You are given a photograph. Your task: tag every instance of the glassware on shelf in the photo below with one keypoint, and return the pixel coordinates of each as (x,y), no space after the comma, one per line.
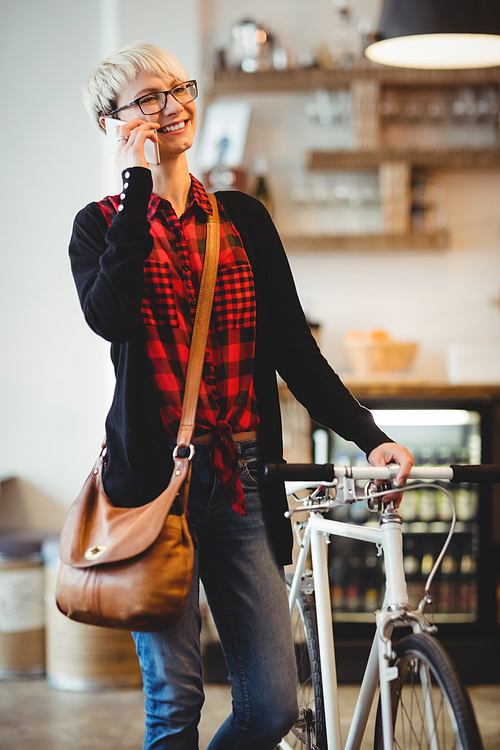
(449,117)
(345,37)
(328,107)
(336,203)
(251,47)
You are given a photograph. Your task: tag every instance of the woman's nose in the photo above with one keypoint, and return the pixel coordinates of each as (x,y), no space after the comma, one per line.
(172,105)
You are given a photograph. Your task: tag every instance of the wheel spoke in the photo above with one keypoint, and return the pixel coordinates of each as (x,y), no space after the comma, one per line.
(308,731)
(430,706)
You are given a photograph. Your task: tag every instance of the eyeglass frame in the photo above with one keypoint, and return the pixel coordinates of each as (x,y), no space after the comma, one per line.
(136,102)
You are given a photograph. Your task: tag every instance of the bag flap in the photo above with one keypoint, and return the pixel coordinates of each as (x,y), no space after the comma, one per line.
(97,532)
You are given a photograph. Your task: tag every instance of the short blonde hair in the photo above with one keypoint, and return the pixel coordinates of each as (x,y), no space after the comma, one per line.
(104,85)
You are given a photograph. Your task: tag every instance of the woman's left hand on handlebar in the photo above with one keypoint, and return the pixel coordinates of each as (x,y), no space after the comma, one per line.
(392,453)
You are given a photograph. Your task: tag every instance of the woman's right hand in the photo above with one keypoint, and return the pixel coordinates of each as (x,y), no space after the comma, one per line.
(132,136)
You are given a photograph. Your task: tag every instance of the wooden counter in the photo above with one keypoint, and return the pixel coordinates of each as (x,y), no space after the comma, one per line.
(419,390)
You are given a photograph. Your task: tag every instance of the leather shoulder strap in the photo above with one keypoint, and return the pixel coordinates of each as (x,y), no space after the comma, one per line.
(200,327)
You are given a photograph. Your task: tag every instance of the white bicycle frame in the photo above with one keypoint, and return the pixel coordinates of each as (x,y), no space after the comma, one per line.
(395,610)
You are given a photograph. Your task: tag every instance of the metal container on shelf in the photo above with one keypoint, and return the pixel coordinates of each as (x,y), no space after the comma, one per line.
(83,657)
(22,623)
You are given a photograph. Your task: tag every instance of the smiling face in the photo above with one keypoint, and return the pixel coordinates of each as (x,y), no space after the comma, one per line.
(178,121)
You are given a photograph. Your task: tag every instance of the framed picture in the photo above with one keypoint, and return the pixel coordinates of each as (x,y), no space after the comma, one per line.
(224,135)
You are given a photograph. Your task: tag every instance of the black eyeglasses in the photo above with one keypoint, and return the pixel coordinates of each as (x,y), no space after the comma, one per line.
(150,104)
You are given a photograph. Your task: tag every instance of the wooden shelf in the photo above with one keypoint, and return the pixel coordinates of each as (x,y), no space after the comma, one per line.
(395,166)
(237,81)
(432,158)
(409,241)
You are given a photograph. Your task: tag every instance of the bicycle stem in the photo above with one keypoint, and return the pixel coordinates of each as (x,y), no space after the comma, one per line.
(392,540)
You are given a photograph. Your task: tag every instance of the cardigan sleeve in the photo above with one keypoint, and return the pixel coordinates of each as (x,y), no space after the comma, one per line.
(296,356)
(107,261)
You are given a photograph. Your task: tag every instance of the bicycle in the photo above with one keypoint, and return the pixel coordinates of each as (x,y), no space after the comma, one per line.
(422,701)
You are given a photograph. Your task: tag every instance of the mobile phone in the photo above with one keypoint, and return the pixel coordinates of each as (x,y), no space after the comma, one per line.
(151,150)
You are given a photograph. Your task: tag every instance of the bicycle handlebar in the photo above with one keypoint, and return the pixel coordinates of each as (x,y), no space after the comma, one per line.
(300,472)
(328,472)
(485,473)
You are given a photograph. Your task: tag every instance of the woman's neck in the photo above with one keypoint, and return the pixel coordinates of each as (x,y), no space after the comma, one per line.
(172,181)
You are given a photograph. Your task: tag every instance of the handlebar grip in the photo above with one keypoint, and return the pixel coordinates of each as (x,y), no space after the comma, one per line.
(475,473)
(299,472)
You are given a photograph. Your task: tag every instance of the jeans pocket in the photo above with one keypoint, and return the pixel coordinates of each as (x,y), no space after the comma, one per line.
(249,469)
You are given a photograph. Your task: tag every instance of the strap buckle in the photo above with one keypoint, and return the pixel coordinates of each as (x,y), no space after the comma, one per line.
(184,445)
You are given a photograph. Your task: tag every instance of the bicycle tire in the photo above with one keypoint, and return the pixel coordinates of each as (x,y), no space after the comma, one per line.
(455,721)
(310,725)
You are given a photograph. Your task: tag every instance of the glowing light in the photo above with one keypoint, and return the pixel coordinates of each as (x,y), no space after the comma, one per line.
(427,417)
(437,51)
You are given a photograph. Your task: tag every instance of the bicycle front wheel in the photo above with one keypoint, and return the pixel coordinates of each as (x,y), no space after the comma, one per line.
(309,729)
(431,709)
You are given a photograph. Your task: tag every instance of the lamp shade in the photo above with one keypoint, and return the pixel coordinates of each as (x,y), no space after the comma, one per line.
(437,34)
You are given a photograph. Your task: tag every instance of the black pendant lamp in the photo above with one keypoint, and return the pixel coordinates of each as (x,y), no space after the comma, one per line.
(438,34)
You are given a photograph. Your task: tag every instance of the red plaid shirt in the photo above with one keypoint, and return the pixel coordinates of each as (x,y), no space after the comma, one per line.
(172,276)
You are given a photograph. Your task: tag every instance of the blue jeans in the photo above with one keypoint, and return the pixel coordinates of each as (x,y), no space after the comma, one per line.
(246,592)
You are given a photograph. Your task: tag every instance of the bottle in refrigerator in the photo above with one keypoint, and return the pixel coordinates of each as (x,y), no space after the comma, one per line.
(466,500)
(445,456)
(336,580)
(409,507)
(426,456)
(467,586)
(427,563)
(352,597)
(427,505)
(448,583)
(444,511)
(373,576)
(412,564)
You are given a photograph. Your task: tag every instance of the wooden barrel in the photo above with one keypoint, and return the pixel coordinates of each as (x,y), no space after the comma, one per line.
(22,621)
(83,657)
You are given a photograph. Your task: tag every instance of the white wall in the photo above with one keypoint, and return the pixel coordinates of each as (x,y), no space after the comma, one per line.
(55,378)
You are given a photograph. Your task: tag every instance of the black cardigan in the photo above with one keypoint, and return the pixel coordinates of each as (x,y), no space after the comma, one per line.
(107,267)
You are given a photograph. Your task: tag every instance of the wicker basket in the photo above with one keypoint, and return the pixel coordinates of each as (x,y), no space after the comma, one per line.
(380,356)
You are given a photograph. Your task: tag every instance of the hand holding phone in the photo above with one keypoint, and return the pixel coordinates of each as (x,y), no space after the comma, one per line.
(151,150)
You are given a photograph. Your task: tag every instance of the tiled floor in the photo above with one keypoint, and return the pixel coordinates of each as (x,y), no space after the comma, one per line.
(34,715)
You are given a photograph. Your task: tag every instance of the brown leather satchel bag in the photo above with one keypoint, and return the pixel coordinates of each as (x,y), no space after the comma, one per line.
(131,568)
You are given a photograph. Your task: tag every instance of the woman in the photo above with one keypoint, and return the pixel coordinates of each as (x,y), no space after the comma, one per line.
(136,259)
